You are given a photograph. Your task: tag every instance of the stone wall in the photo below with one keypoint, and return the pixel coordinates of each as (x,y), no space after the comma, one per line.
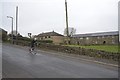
(82,51)
(57,39)
(76,50)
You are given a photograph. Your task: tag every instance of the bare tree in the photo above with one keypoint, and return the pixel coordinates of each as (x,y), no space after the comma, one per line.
(71,31)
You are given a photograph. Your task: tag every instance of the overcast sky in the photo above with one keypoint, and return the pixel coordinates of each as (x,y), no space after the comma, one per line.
(37,16)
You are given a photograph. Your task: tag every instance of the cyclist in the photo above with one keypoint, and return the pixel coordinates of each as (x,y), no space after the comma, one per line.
(33,42)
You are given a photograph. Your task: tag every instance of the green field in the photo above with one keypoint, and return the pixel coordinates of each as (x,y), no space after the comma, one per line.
(108,48)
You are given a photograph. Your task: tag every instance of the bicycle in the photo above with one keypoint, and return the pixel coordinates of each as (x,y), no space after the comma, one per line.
(32,50)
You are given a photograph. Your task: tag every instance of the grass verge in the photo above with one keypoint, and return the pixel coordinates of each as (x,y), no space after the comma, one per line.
(108,48)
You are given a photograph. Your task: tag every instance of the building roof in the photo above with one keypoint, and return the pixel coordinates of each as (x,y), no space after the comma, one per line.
(2,30)
(49,34)
(97,34)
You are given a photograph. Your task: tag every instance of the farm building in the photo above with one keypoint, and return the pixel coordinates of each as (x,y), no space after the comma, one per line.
(53,36)
(96,38)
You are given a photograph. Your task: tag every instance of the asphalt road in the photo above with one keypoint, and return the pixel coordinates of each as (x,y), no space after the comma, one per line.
(19,63)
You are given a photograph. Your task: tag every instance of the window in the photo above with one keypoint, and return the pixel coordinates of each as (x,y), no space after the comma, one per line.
(78,43)
(81,38)
(98,37)
(104,42)
(48,36)
(87,38)
(103,37)
(45,36)
(96,42)
(112,36)
(113,42)
(41,38)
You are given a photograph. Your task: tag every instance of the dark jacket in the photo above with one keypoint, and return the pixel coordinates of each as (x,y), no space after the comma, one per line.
(33,43)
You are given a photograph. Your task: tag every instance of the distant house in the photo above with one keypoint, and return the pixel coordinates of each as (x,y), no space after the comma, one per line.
(19,36)
(96,38)
(14,33)
(3,34)
(53,36)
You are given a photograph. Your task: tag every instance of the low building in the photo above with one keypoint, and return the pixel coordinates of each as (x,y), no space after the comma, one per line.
(3,34)
(19,36)
(96,38)
(53,36)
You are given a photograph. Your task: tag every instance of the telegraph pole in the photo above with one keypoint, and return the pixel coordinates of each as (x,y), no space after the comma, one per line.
(67,31)
(16,24)
(66,18)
